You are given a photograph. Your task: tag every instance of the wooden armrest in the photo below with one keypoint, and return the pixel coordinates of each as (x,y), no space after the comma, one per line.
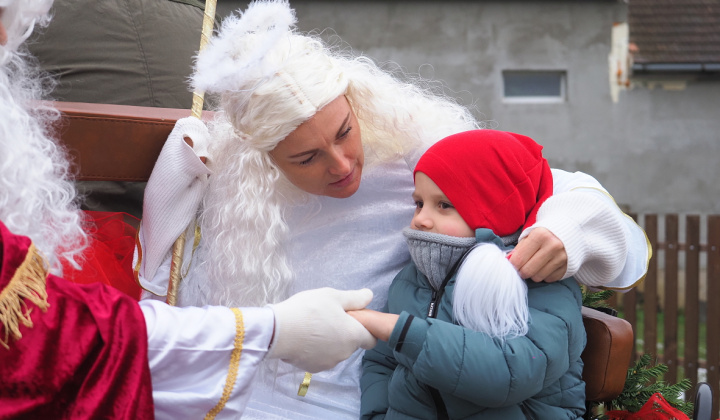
(115,142)
(607,354)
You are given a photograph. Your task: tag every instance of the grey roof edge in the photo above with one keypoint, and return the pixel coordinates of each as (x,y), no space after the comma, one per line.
(675,67)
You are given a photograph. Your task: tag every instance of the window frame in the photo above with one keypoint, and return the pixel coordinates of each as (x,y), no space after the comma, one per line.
(535,99)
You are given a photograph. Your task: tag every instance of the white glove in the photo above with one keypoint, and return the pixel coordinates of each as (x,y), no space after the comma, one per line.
(313,332)
(172,195)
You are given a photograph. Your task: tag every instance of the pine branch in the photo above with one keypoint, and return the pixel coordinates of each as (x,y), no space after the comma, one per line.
(643,380)
(596,299)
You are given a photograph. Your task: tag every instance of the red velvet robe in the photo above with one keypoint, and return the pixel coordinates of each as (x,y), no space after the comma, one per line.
(83,353)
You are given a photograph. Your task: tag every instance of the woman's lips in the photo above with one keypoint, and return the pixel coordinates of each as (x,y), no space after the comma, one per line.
(345,181)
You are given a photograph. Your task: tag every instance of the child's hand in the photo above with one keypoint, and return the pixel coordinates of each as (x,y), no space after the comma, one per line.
(379,324)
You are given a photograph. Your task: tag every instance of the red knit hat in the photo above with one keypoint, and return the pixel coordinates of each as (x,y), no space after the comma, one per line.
(495,179)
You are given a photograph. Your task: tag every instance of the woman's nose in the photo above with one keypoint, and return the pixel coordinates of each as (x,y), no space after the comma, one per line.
(340,164)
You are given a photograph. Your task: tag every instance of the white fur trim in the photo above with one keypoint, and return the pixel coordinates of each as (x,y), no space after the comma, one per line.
(224,65)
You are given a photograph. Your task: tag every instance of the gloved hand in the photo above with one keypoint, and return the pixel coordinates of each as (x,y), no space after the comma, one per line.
(314,333)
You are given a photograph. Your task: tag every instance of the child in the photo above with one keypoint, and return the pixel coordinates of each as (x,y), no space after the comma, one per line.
(485,343)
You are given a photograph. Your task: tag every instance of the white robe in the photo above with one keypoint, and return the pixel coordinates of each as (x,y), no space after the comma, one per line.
(189,365)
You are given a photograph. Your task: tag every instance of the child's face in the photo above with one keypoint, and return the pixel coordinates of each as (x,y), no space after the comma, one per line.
(434,212)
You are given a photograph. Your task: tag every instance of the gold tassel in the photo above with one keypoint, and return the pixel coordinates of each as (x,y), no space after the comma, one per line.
(27,285)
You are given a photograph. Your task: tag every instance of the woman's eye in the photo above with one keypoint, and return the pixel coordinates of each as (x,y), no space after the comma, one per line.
(345,133)
(307,161)
(446,206)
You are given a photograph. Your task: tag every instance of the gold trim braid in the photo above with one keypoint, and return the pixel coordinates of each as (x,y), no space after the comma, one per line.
(234,365)
(27,284)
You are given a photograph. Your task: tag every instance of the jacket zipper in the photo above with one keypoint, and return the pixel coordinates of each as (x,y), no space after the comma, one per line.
(440,407)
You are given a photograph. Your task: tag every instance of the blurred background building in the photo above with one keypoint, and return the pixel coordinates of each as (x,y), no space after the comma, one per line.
(627,91)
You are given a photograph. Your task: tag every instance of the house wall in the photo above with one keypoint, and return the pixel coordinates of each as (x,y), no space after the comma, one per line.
(655,150)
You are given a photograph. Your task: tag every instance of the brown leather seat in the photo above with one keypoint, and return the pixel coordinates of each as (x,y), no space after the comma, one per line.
(116,142)
(607,354)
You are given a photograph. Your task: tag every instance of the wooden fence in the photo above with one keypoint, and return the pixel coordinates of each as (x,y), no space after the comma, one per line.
(659,297)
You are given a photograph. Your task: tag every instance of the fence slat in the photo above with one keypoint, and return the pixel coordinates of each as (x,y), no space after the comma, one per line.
(629,305)
(612,301)
(695,317)
(650,303)
(713,308)
(670,319)
(692,297)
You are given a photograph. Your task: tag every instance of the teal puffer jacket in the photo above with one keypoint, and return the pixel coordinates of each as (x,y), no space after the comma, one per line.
(473,376)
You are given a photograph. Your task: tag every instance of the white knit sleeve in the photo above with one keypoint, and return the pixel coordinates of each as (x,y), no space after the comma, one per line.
(605,247)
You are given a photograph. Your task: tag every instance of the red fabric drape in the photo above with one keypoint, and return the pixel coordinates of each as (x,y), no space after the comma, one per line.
(108,257)
(656,408)
(85,357)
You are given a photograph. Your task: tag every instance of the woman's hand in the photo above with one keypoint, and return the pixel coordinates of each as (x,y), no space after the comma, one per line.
(379,324)
(540,256)
(313,331)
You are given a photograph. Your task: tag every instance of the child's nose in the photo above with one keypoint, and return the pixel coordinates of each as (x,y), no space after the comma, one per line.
(421,221)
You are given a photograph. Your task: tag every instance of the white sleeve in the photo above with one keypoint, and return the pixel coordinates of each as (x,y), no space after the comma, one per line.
(605,247)
(156,287)
(172,197)
(192,351)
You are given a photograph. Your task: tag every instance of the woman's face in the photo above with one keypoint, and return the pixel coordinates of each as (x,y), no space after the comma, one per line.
(324,155)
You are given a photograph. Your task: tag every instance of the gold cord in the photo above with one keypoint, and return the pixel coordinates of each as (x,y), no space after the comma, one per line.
(234,365)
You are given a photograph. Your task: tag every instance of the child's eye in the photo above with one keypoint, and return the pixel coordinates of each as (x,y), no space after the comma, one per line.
(418,204)
(446,206)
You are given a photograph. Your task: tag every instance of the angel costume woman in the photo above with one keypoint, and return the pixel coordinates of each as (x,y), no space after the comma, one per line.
(308,184)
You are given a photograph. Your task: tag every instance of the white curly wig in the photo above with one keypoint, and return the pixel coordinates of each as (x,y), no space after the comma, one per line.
(269,79)
(36,199)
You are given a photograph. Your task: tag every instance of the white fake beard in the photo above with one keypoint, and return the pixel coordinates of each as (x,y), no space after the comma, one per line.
(490,296)
(36,200)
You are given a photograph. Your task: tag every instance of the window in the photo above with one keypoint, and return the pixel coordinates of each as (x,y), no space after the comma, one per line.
(523,86)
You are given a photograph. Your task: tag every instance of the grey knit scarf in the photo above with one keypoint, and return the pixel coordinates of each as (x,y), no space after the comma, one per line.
(434,254)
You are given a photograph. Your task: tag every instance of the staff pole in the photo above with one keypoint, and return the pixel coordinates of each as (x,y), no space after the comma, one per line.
(196,111)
